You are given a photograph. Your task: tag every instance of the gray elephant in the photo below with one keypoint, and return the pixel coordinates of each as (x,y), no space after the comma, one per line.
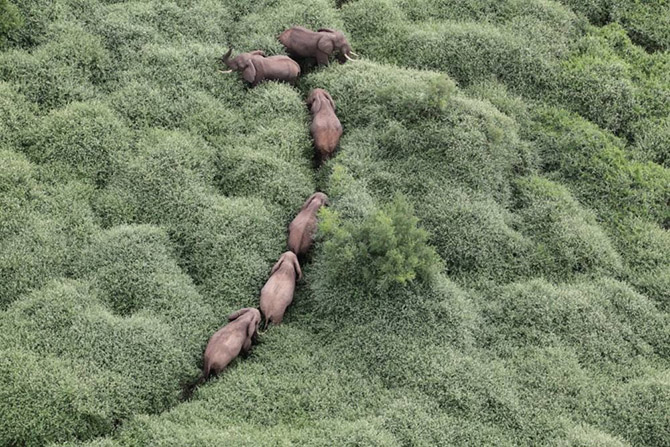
(233,339)
(302,43)
(277,294)
(301,230)
(326,128)
(256,68)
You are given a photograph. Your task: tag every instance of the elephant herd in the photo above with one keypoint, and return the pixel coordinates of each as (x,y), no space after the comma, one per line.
(238,335)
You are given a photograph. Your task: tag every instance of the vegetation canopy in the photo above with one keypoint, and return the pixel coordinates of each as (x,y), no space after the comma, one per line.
(493,267)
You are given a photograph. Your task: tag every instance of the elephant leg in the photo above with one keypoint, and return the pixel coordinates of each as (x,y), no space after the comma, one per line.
(246,347)
(321,58)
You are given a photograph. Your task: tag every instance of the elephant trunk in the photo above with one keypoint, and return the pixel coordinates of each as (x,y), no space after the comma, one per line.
(225,58)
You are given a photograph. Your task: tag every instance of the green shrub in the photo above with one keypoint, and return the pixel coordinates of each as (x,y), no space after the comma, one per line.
(569,241)
(16,114)
(49,233)
(599,89)
(444,138)
(83,140)
(10,19)
(645,248)
(603,321)
(37,15)
(68,68)
(242,171)
(45,398)
(136,364)
(639,410)
(386,249)
(597,11)
(166,182)
(588,436)
(648,23)
(260,28)
(368,93)
(228,248)
(17,186)
(651,141)
(598,170)
(475,236)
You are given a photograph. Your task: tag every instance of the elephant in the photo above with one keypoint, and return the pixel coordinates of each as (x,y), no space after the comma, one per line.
(301,230)
(256,68)
(301,43)
(233,339)
(326,128)
(277,294)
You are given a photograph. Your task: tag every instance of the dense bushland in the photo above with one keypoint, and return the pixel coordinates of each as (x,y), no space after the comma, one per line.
(494,268)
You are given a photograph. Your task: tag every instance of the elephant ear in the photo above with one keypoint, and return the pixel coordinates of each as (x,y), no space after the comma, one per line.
(316,105)
(310,200)
(277,265)
(257,53)
(235,315)
(325,44)
(325,30)
(330,99)
(249,73)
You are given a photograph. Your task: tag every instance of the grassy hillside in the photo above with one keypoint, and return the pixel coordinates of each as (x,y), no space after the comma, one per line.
(494,268)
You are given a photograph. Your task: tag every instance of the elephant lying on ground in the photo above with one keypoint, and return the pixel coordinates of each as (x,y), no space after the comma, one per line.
(277,294)
(233,339)
(326,128)
(301,42)
(256,68)
(301,230)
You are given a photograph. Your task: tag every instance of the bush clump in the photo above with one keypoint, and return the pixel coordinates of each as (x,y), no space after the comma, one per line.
(569,241)
(70,67)
(598,169)
(10,20)
(125,365)
(386,249)
(83,141)
(603,321)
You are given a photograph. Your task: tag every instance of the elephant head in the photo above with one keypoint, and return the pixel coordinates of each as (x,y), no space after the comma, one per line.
(318,93)
(241,61)
(318,198)
(252,316)
(290,257)
(333,41)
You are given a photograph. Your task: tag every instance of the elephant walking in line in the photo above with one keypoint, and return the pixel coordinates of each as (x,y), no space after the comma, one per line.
(301,230)
(301,43)
(277,294)
(233,339)
(256,68)
(326,128)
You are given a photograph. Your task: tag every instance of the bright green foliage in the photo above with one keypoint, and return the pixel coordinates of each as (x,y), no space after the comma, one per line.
(493,267)
(388,246)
